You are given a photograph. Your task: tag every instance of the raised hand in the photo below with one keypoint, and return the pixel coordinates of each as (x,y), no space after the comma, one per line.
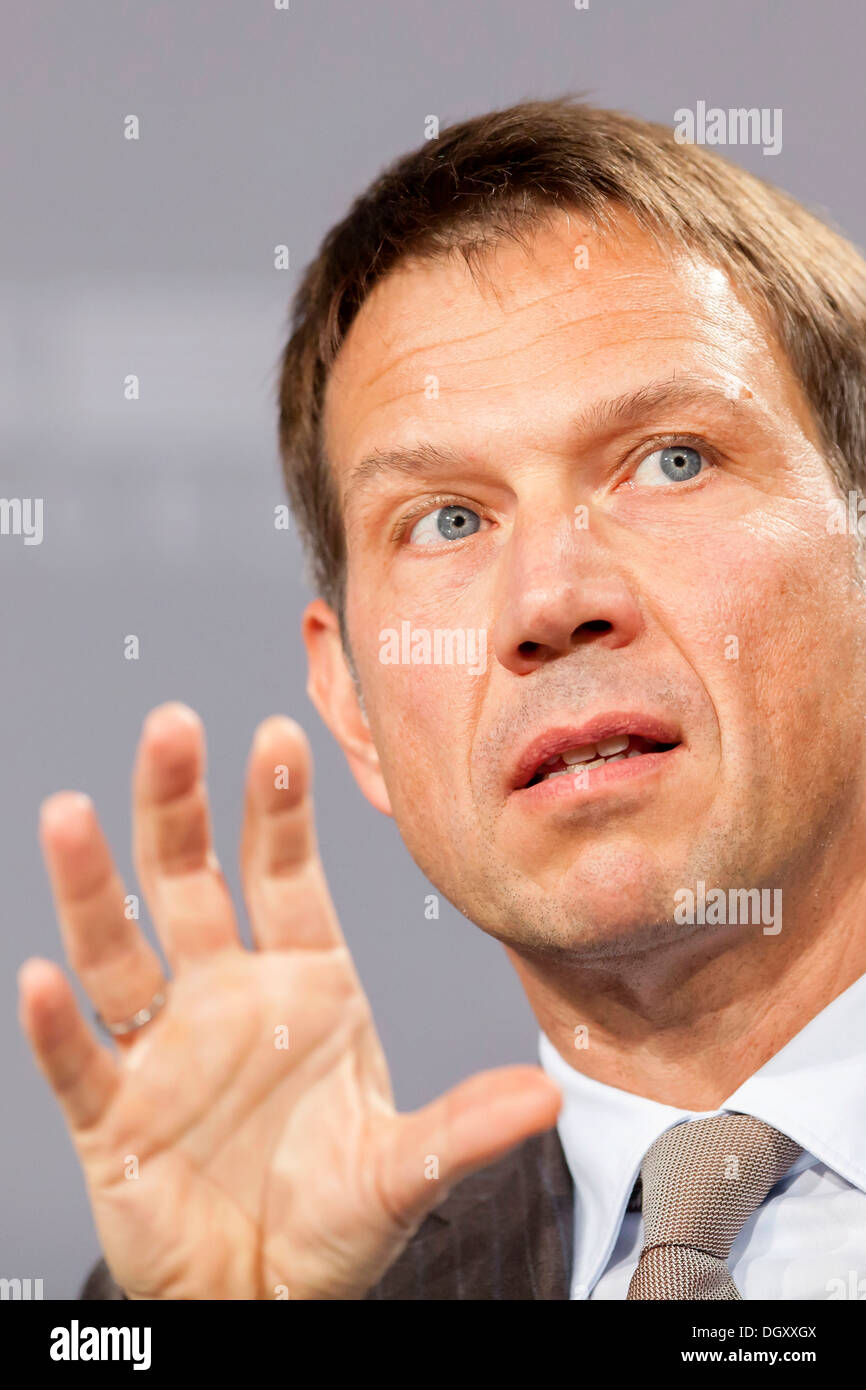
(244,1143)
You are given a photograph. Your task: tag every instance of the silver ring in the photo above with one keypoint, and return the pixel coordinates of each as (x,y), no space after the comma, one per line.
(138,1020)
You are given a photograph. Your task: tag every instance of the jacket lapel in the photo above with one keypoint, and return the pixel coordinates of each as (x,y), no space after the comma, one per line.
(503,1233)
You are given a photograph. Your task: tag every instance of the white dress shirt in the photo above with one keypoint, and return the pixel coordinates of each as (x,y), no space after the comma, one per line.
(808,1238)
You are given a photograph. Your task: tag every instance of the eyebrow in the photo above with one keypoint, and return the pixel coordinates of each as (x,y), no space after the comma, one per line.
(598,420)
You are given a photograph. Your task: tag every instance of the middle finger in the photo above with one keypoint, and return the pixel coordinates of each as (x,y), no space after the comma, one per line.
(179,873)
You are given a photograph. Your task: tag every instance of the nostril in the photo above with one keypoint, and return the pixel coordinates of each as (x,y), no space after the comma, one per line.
(579,636)
(588,630)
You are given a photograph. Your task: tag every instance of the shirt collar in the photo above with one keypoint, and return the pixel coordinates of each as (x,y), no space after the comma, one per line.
(812,1090)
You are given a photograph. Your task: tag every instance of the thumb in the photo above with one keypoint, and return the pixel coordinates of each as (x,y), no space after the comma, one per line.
(463,1130)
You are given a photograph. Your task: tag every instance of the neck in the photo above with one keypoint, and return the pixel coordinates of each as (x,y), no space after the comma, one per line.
(689,1021)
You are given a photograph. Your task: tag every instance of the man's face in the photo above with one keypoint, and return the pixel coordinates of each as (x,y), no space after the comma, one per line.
(620,489)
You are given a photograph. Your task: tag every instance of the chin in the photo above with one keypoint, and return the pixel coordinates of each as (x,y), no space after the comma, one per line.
(583,928)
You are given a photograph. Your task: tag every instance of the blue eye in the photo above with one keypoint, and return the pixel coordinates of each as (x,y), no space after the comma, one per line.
(445,523)
(676,463)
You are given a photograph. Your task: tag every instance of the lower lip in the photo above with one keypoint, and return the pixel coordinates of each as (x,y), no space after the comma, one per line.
(571,789)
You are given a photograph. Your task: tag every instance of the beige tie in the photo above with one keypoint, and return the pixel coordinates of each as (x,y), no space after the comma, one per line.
(701,1181)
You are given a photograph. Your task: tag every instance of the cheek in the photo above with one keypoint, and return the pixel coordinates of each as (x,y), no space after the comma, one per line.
(774,627)
(423,662)
(420,714)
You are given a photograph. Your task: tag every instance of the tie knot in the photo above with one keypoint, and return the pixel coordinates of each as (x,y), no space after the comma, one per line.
(704,1178)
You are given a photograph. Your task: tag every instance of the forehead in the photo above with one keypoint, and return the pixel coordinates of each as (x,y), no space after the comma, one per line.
(559,321)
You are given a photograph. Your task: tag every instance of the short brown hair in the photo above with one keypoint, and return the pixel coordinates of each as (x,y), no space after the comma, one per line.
(496,176)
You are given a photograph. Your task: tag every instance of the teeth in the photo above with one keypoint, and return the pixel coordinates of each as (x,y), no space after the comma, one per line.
(581,755)
(607,748)
(589,755)
(618,744)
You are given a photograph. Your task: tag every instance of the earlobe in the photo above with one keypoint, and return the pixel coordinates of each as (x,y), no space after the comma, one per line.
(333,690)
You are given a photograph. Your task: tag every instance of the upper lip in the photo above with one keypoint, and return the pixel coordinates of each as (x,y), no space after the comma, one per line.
(559,737)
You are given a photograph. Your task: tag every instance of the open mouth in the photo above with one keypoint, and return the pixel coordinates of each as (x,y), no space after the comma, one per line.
(587,756)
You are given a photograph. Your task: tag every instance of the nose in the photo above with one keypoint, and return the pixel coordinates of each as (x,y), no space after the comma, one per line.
(560,596)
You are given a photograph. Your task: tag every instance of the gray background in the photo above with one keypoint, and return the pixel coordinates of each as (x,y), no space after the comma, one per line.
(257,127)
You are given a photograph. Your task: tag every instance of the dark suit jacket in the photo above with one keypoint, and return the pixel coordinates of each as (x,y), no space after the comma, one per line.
(504,1232)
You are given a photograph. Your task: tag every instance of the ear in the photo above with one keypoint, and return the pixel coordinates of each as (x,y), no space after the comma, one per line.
(332,690)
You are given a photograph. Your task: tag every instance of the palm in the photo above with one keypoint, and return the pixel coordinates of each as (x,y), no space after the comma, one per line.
(233,1131)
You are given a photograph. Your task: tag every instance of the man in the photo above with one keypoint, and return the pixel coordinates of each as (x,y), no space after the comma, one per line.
(570,414)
